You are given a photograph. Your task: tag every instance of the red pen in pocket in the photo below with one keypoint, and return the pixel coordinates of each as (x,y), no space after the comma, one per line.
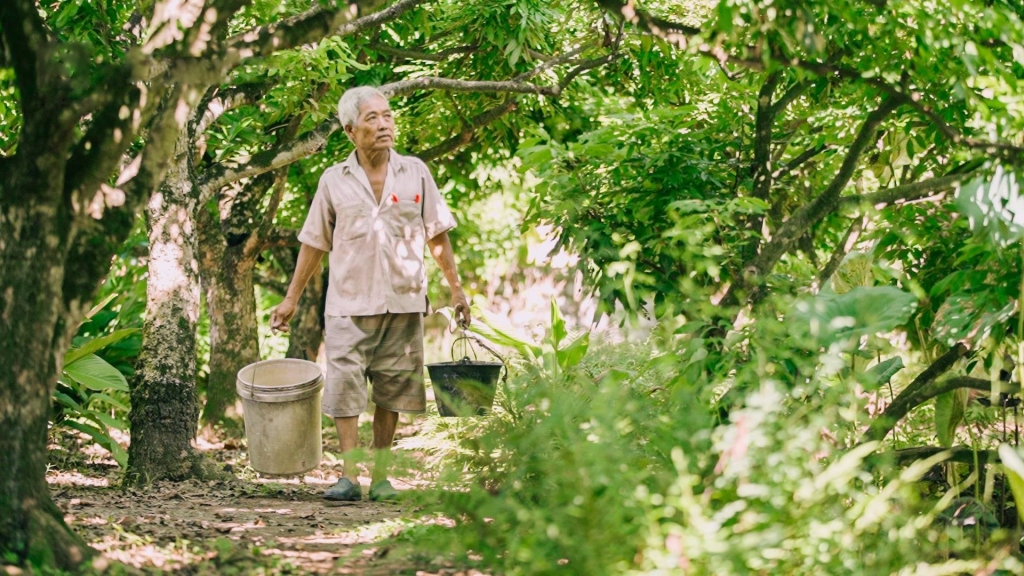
(394,198)
(416,199)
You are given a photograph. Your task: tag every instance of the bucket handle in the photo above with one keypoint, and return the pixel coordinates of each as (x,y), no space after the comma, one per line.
(471,338)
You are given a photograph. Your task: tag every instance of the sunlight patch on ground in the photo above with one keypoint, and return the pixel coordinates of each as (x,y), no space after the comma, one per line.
(138,553)
(74,478)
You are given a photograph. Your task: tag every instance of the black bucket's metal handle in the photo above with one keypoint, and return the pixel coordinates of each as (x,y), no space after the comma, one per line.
(471,338)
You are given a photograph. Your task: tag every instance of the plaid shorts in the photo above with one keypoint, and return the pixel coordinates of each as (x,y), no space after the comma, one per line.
(387,348)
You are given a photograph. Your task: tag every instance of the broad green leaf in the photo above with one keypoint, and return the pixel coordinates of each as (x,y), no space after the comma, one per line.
(110,421)
(96,373)
(558,331)
(1013,465)
(66,401)
(994,206)
(862,311)
(100,396)
(881,373)
(854,271)
(100,437)
(101,305)
(949,413)
(488,328)
(97,344)
(573,353)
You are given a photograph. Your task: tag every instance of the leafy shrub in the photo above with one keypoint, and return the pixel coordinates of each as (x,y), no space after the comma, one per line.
(648,458)
(92,392)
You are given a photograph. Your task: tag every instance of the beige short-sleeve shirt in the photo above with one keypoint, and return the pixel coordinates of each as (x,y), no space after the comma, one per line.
(376,249)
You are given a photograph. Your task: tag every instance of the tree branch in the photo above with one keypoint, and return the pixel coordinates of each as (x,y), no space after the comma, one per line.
(922,389)
(583,67)
(465,136)
(760,166)
(439,56)
(962,454)
(279,237)
(551,63)
(452,85)
(794,92)
(225,100)
(315,24)
(315,140)
(25,36)
(800,159)
(763,121)
(826,203)
(257,242)
(273,284)
(98,153)
(672,32)
(845,245)
(916,100)
(89,253)
(907,192)
(220,175)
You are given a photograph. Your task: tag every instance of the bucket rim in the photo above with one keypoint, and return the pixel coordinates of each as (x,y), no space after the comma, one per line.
(247,385)
(281,389)
(460,363)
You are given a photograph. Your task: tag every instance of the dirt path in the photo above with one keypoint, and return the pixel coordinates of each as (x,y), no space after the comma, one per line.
(156,527)
(241,526)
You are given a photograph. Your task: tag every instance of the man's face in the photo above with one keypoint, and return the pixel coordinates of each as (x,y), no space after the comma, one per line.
(375,127)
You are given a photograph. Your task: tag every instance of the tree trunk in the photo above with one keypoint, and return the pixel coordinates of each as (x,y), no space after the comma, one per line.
(165,406)
(307,327)
(234,336)
(35,331)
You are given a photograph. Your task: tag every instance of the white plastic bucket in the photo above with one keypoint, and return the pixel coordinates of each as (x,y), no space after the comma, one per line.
(281,399)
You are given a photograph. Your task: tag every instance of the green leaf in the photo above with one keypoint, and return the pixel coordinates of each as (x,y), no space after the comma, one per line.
(862,311)
(110,421)
(882,373)
(993,206)
(100,437)
(66,401)
(1013,465)
(96,373)
(558,332)
(101,305)
(573,353)
(949,413)
(120,456)
(488,328)
(100,396)
(97,344)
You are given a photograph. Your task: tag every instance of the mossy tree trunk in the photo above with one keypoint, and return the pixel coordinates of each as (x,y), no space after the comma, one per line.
(34,335)
(68,201)
(229,246)
(60,224)
(231,239)
(165,406)
(231,304)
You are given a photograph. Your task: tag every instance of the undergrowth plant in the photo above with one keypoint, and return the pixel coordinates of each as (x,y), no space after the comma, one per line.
(683,455)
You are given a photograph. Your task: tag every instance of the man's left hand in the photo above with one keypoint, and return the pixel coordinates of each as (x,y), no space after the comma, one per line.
(461,307)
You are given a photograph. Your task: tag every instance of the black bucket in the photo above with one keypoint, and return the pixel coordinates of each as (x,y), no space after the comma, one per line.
(466,387)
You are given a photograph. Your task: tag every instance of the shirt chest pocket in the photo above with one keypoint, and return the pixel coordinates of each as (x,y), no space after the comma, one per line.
(406,216)
(354,221)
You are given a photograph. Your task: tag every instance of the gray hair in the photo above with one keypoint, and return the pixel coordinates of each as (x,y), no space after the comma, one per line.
(352,99)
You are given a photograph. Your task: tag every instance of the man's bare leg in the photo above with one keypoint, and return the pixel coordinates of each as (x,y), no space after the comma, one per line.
(348,434)
(384,424)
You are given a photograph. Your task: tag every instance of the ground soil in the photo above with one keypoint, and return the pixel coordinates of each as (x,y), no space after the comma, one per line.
(246,524)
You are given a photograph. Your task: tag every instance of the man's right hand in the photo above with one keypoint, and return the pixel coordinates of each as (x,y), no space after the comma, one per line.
(282,315)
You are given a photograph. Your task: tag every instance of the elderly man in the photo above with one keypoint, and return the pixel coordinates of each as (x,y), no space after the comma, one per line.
(373,213)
